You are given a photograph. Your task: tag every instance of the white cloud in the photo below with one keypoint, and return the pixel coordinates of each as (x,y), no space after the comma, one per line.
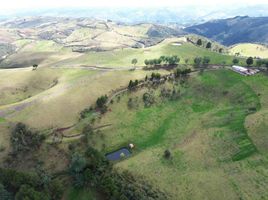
(31,4)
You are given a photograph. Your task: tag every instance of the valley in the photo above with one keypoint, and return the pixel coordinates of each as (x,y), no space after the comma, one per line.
(73,90)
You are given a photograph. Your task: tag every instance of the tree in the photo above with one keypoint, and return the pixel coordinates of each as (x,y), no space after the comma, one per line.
(249,61)
(146,62)
(235,61)
(199,42)
(101,101)
(134,61)
(35,66)
(173,60)
(208,45)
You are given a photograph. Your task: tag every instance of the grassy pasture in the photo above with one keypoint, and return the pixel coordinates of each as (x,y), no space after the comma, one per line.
(60,105)
(42,46)
(17,85)
(248,49)
(206,131)
(123,57)
(136,31)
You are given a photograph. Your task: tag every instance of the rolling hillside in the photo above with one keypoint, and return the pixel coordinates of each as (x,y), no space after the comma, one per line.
(248,49)
(234,30)
(192,131)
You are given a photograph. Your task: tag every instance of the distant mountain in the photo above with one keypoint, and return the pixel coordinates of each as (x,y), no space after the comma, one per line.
(234,30)
(182,16)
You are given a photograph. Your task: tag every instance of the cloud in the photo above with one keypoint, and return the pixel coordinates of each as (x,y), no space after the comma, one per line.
(32,4)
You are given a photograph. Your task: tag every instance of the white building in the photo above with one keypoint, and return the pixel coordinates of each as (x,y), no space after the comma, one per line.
(244,71)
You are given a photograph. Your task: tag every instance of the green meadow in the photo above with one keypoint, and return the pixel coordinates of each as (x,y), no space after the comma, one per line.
(205,130)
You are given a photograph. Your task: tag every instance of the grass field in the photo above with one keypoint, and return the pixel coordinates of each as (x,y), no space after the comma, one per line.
(247,49)
(206,154)
(123,57)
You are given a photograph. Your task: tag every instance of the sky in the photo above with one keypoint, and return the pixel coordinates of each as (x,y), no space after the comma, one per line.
(31,4)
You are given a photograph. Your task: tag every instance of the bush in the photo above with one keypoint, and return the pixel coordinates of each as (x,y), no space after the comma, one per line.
(197,61)
(148,99)
(84,113)
(167,154)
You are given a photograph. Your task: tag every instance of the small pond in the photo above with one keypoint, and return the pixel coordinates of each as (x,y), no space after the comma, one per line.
(117,155)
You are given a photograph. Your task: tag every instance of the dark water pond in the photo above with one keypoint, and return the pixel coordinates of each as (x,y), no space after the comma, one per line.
(116,155)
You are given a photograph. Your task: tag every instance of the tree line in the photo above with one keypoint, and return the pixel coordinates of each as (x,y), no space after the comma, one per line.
(169,60)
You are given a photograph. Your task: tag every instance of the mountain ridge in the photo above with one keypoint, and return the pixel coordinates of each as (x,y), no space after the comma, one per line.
(239,29)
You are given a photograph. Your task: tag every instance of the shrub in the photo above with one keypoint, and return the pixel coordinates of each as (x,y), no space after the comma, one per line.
(197,61)
(148,99)
(167,154)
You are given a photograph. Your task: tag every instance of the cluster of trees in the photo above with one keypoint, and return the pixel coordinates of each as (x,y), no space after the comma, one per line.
(91,168)
(262,62)
(178,73)
(250,61)
(24,186)
(101,101)
(170,94)
(132,84)
(84,113)
(155,76)
(24,139)
(100,105)
(170,60)
(198,61)
(200,42)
